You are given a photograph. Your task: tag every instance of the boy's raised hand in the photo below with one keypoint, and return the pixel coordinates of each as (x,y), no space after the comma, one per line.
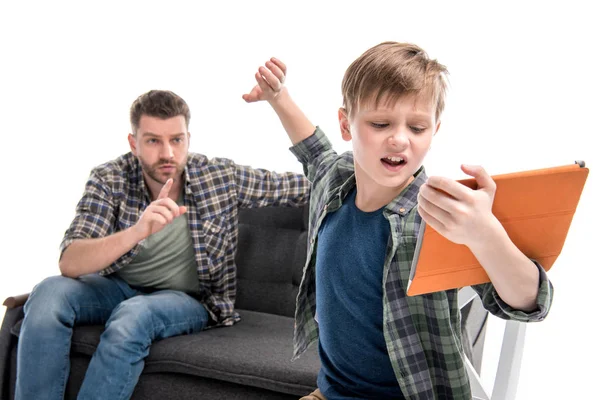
(461,214)
(270,79)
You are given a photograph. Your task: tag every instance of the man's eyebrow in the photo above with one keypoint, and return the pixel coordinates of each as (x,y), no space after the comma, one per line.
(154,135)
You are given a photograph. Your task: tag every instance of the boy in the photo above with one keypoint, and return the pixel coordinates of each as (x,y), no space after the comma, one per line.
(366,207)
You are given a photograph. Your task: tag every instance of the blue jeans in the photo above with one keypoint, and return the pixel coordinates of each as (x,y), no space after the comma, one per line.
(133,320)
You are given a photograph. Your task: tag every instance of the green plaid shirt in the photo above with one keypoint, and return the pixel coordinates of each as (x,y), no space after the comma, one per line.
(422,333)
(115,196)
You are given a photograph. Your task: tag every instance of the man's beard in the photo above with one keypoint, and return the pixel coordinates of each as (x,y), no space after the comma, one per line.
(153,171)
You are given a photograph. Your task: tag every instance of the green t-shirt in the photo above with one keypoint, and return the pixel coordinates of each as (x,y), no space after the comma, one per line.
(166,259)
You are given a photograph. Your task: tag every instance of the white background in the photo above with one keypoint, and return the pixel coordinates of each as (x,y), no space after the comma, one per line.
(524,94)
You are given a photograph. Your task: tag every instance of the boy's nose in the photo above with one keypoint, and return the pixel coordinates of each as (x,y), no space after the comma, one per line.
(398,139)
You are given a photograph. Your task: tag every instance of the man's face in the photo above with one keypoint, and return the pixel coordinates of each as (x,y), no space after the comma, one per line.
(161,145)
(390,141)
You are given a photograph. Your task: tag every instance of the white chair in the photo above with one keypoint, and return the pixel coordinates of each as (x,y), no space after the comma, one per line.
(509,364)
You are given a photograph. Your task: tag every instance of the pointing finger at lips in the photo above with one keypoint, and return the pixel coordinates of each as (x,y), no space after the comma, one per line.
(169,204)
(164,192)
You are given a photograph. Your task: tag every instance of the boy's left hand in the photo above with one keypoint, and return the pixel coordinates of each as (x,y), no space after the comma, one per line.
(461,214)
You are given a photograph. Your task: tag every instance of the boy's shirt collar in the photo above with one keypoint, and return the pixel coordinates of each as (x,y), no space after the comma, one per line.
(407,199)
(401,204)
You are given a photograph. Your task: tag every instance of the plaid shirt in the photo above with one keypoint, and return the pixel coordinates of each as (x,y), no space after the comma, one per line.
(115,197)
(422,333)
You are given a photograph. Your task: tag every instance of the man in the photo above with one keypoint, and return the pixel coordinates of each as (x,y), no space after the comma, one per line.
(150,254)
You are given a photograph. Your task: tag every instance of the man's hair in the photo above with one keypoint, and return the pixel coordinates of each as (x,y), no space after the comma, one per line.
(162,104)
(391,70)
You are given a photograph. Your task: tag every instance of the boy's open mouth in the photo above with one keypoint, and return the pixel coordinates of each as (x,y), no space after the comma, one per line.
(393,161)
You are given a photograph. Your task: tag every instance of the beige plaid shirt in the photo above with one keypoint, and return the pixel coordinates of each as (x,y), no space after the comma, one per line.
(115,196)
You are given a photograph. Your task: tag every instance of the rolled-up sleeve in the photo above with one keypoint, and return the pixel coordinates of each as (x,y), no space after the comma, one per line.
(94,215)
(314,152)
(496,306)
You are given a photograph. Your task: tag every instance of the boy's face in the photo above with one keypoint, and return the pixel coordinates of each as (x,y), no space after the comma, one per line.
(389,141)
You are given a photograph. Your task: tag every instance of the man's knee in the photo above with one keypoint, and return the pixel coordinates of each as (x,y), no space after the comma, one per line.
(132,321)
(48,305)
(62,298)
(49,296)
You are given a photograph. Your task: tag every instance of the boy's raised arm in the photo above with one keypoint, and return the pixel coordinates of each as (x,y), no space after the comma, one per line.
(270,87)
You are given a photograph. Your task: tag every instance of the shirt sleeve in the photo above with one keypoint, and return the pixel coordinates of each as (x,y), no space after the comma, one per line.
(496,306)
(261,188)
(315,153)
(94,215)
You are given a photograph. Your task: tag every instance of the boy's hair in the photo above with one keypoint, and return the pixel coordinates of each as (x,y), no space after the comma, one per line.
(391,70)
(158,103)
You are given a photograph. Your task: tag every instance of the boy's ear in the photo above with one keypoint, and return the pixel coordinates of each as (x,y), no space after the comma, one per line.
(132,144)
(437,127)
(344,124)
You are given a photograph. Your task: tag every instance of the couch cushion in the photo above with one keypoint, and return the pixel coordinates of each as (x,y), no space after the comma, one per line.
(256,351)
(271,255)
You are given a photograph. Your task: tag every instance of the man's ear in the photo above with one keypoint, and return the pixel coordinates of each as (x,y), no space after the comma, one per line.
(344,124)
(132,144)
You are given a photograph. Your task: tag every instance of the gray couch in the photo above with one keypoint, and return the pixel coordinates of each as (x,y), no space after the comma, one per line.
(250,360)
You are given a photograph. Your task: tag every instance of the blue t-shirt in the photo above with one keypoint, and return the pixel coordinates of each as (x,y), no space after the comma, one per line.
(349,282)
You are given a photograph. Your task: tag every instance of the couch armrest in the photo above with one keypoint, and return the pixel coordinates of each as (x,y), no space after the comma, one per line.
(8,341)
(16,301)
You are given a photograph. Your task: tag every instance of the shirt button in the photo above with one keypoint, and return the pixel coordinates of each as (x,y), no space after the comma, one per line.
(402,210)
(213,230)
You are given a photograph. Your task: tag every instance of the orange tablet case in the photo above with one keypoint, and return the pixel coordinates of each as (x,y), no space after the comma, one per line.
(535,207)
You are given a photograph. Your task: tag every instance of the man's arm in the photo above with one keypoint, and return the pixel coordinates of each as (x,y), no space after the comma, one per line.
(261,188)
(87,256)
(464,216)
(270,88)
(86,251)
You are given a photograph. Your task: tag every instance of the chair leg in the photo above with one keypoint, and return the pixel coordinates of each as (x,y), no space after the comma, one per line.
(509,365)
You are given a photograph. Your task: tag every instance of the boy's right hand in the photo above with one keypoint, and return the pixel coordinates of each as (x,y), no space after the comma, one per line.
(270,79)
(270,87)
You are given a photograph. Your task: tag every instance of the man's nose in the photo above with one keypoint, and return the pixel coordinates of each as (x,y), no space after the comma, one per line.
(167,152)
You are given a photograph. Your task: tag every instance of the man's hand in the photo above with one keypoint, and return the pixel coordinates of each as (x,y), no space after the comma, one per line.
(270,79)
(461,214)
(87,256)
(159,213)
